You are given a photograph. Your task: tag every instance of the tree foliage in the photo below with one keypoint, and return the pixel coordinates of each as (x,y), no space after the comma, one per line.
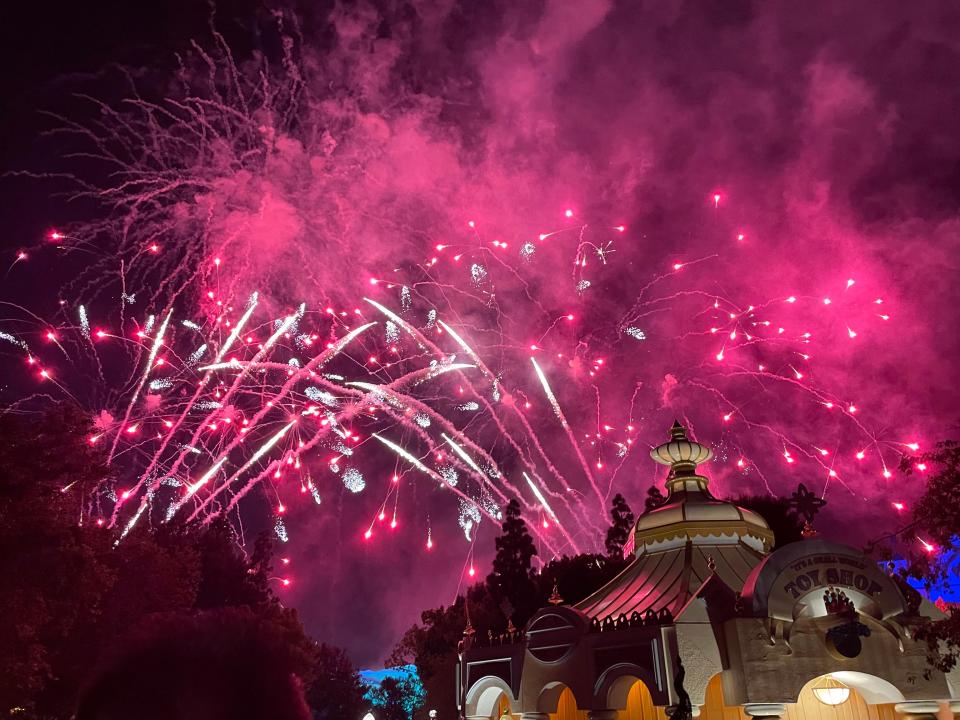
(512,583)
(786,524)
(336,691)
(655,498)
(397,699)
(936,520)
(69,594)
(217,664)
(619,531)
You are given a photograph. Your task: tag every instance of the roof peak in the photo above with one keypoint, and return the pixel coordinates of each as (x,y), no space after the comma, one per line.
(680,453)
(690,511)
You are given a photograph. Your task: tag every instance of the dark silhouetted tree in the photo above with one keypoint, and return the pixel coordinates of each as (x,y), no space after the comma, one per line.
(219,665)
(654,498)
(336,690)
(68,591)
(780,515)
(935,520)
(512,579)
(619,530)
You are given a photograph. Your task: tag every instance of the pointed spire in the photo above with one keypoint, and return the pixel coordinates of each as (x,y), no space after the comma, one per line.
(678,431)
(555,598)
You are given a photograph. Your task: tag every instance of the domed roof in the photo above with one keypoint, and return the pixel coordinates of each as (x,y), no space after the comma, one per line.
(690,512)
(690,540)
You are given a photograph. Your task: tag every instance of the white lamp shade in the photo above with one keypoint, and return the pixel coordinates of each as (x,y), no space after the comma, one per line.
(832,695)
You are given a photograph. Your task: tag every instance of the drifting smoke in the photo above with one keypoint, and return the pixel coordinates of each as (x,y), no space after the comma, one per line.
(737,214)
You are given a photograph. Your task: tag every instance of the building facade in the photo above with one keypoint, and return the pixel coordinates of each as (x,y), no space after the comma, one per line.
(707,621)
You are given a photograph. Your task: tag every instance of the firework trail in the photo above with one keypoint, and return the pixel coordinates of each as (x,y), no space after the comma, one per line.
(255,220)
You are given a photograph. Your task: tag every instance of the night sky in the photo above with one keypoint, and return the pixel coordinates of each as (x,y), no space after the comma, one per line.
(776,168)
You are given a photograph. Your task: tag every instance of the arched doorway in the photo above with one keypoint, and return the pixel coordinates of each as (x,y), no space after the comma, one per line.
(869,698)
(559,702)
(640,704)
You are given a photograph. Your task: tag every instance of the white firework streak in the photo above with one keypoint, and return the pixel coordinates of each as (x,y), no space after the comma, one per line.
(14,340)
(566,427)
(317,362)
(206,476)
(174,507)
(427,471)
(84,322)
(466,348)
(196,355)
(398,320)
(464,456)
(439,369)
(235,333)
(580,516)
(157,343)
(133,520)
(261,451)
(541,498)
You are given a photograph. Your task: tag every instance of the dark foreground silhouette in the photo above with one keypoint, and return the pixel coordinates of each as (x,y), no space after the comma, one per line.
(208,666)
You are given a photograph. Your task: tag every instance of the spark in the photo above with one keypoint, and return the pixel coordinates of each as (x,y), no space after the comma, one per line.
(84,322)
(353,480)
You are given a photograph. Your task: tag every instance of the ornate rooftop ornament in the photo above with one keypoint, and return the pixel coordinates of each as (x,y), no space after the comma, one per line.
(680,453)
(805,503)
(690,511)
(555,598)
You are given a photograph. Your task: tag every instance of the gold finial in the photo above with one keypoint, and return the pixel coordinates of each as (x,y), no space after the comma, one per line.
(555,598)
(680,453)
(711,564)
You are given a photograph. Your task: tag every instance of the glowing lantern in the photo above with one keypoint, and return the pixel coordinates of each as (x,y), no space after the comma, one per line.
(831,691)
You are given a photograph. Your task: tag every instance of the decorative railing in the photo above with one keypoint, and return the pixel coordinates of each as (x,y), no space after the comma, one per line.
(622,622)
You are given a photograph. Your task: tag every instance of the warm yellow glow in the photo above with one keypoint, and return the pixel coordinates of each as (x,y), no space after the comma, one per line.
(831,692)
